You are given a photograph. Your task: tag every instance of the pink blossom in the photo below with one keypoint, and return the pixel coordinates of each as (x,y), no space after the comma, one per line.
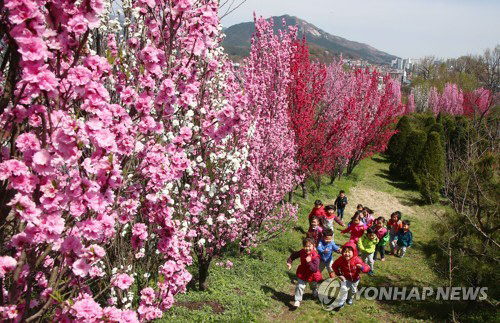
(122,281)
(78,24)
(27,141)
(87,310)
(8,312)
(7,264)
(32,48)
(81,268)
(73,244)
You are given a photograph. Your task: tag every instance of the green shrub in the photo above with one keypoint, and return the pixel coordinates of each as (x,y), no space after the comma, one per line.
(405,166)
(397,142)
(430,168)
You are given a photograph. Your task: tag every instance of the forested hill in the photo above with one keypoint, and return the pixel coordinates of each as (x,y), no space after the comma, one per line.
(323,45)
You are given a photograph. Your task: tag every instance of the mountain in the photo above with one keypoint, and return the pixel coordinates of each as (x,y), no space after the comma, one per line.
(322,45)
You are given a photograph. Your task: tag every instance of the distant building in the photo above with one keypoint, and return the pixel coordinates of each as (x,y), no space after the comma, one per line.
(396,75)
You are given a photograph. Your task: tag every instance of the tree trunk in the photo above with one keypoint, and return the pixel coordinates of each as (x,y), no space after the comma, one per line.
(350,166)
(304,189)
(290,196)
(203,265)
(333,175)
(317,181)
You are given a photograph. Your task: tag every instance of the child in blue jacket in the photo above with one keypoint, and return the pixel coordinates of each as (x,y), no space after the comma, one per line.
(404,239)
(326,247)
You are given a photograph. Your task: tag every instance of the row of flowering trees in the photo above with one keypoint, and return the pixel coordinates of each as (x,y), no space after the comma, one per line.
(129,148)
(452,100)
(338,116)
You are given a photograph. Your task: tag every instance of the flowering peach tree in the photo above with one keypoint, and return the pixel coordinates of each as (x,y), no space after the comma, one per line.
(113,136)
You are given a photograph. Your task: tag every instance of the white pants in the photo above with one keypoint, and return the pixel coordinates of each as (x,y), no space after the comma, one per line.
(400,251)
(392,242)
(352,289)
(328,266)
(299,289)
(368,259)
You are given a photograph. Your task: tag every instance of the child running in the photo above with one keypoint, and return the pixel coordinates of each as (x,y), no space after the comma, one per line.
(383,237)
(326,248)
(330,217)
(404,239)
(348,267)
(308,270)
(366,245)
(356,228)
(315,230)
(317,210)
(340,203)
(394,225)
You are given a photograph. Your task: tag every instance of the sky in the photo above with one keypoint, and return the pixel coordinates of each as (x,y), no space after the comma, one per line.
(405,28)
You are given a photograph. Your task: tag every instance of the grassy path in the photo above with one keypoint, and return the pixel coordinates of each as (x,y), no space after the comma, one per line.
(260,288)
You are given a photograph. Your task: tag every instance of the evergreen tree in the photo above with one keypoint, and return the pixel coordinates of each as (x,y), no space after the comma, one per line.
(439,128)
(405,167)
(397,142)
(430,168)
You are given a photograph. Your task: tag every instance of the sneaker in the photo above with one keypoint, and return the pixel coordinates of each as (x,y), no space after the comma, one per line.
(371,273)
(296,304)
(383,259)
(315,293)
(349,301)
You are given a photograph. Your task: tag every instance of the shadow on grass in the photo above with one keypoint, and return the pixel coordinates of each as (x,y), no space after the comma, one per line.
(381,160)
(299,229)
(391,180)
(411,201)
(284,298)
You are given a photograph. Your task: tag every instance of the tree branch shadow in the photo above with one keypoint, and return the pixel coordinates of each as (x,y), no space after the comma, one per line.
(285,298)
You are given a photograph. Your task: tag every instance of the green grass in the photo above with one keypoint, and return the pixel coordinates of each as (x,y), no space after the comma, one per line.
(260,288)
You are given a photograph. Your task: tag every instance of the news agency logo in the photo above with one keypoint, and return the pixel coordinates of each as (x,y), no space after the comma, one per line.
(333,292)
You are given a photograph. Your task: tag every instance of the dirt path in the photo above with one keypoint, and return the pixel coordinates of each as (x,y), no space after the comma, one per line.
(381,202)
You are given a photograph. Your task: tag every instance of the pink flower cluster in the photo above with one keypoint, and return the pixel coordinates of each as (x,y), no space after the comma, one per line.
(101,130)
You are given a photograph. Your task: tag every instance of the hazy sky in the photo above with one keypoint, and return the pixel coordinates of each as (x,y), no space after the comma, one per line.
(406,28)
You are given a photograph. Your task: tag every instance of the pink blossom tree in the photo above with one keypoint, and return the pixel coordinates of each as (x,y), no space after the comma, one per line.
(410,106)
(452,100)
(434,100)
(272,170)
(107,133)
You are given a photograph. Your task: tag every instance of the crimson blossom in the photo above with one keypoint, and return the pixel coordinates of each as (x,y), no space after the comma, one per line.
(304,96)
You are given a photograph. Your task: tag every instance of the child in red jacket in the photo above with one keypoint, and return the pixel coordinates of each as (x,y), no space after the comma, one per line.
(317,210)
(356,227)
(348,267)
(308,270)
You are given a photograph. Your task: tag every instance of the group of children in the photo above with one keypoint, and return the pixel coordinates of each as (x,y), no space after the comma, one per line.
(368,237)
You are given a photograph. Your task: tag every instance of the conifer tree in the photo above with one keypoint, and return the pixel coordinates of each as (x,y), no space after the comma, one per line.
(405,167)
(430,168)
(397,142)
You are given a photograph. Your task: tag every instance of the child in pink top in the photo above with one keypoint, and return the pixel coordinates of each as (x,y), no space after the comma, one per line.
(383,237)
(356,227)
(369,217)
